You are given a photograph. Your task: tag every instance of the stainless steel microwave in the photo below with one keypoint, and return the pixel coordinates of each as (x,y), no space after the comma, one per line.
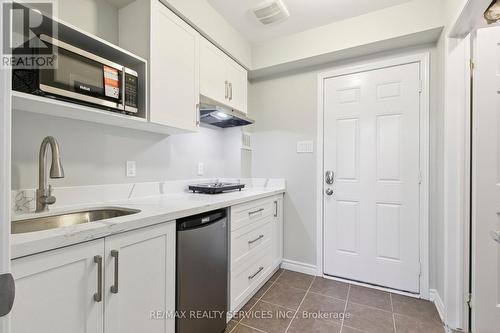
(81,77)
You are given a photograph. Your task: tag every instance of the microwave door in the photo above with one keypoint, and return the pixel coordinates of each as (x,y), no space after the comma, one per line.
(82,76)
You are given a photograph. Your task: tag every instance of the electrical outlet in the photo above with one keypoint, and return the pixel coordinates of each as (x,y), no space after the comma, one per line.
(200,169)
(131,169)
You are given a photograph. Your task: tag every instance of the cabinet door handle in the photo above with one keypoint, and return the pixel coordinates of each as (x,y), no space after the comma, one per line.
(255,211)
(226,95)
(250,277)
(276,208)
(98,294)
(256,239)
(114,288)
(230,91)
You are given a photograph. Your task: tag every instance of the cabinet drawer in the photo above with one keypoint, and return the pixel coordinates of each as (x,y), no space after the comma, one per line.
(252,212)
(246,279)
(247,241)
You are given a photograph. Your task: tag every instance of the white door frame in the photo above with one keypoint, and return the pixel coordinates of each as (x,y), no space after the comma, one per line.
(457,181)
(423,59)
(5,176)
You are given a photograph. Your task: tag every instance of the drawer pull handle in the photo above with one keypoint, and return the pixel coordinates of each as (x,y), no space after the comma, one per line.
(276,208)
(256,211)
(250,277)
(114,288)
(98,294)
(256,239)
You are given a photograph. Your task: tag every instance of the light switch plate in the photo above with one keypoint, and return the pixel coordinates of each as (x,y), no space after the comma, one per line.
(305,147)
(131,169)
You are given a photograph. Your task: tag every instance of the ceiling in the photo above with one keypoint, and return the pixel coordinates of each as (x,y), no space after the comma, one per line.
(304,15)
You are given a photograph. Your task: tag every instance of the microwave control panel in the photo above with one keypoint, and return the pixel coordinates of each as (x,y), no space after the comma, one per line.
(131,88)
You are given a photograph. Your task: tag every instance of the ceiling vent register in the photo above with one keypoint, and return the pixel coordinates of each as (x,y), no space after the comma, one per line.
(270,12)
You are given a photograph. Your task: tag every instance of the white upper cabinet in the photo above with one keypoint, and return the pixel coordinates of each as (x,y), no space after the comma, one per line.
(213,78)
(221,78)
(238,86)
(174,70)
(182,65)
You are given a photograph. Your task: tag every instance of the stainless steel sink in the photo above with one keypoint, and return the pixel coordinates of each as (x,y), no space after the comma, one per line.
(68,219)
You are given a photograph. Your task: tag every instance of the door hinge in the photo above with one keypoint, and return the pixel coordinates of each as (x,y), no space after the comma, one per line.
(419,269)
(468,300)
(471,64)
(420,178)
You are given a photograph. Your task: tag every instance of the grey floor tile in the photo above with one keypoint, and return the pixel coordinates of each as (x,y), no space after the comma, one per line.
(322,308)
(303,325)
(276,275)
(296,280)
(263,290)
(416,308)
(368,319)
(370,297)
(269,318)
(245,329)
(347,329)
(245,309)
(284,295)
(406,324)
(330,288)
(230,326)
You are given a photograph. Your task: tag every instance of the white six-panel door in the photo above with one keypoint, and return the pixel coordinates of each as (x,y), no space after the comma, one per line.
(486,183)
(371,143)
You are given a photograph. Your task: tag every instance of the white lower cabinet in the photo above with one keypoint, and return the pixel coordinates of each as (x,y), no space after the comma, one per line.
(55,291)
(140,280)
(278,231)
(256,246)
(123,283)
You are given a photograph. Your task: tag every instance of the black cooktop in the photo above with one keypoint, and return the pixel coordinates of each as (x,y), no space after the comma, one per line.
(214,188)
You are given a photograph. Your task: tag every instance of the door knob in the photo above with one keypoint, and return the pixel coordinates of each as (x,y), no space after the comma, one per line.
(329,177)
(7,293)
(495,235)
(329,191)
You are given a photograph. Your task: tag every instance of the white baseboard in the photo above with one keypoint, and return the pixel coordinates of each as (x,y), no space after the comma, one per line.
(437,300)
(298,266)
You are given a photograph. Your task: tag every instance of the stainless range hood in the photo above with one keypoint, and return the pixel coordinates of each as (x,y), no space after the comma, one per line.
(221,116)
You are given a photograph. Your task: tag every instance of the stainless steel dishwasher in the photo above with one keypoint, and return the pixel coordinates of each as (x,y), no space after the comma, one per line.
(202,273)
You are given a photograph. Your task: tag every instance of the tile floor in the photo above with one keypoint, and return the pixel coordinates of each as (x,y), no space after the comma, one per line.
(341,307)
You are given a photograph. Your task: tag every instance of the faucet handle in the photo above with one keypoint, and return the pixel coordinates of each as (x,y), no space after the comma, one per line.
(49,198)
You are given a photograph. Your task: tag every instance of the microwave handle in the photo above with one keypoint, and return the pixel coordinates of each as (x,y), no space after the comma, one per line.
(123,106)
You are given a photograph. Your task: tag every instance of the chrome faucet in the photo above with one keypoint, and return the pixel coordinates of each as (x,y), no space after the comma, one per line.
(44,196)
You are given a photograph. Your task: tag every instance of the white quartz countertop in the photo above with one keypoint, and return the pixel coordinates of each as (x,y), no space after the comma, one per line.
(154,209)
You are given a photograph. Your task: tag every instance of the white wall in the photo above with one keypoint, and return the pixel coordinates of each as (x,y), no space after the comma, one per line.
(96,154)
(284,108)
(95,16)
(389,23)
